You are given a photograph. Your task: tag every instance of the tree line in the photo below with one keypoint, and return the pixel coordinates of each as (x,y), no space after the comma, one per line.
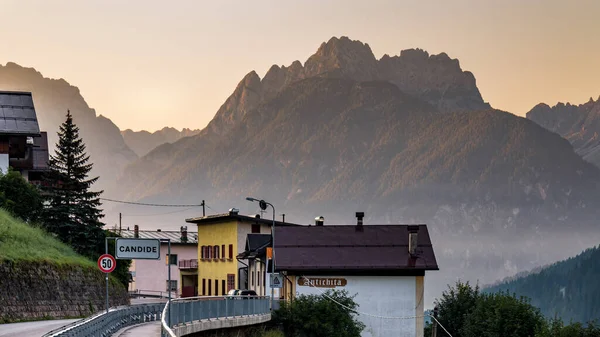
(465,311)
(65,204)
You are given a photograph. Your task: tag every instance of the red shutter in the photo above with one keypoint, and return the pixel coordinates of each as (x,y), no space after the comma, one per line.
(230,251)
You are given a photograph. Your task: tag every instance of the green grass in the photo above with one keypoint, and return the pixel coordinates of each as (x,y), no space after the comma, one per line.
(22,242)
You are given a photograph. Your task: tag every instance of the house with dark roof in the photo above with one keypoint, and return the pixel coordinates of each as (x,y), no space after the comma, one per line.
(151,276)
(383,265)
(22,146)
(255,253)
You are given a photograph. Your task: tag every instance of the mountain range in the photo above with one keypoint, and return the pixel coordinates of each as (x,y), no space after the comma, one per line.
(580,124)
(52,99)
(407,134)
(142,142)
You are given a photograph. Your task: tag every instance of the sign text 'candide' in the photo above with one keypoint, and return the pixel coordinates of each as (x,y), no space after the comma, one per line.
(148,249)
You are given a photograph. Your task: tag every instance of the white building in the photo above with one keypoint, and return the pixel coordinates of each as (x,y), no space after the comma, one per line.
(383,265)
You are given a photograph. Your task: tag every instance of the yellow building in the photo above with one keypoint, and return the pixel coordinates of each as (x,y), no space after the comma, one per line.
(221,237)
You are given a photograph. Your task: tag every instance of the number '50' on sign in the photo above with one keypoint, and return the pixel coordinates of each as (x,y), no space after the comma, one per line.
(107,263)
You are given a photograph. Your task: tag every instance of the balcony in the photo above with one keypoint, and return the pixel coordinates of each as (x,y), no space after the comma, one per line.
(188,264)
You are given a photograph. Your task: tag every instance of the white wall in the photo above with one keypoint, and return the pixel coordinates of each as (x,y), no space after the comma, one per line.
(4,161)
(393,296)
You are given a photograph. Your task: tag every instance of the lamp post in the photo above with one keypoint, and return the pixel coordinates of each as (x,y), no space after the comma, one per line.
(263,205)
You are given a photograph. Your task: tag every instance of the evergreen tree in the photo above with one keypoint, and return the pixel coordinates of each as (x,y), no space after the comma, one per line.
(71,209)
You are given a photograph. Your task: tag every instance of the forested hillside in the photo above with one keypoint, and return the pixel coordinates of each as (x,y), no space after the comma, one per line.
(569,289)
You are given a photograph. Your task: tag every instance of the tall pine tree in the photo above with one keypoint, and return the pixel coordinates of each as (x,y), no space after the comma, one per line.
(71,209)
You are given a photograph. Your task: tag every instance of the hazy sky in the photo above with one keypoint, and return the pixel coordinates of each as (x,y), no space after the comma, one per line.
(148,64)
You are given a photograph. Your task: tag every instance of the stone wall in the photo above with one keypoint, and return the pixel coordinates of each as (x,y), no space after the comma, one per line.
(41,290)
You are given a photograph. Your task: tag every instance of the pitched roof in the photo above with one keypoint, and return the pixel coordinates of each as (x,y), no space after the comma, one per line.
(174,236)
(256,245)
(17,114)
(343,248)
(218,218)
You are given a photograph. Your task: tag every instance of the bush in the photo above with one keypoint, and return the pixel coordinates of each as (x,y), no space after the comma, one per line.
(319,316)
(20,198)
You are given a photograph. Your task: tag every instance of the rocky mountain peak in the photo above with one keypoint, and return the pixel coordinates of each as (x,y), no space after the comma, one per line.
(342,57)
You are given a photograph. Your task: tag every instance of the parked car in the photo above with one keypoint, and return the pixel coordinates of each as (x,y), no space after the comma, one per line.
(240,293)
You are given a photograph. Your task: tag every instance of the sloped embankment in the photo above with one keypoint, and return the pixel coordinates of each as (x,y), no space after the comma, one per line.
(41,278)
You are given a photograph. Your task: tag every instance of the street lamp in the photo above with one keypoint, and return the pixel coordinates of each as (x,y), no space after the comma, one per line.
(263,205)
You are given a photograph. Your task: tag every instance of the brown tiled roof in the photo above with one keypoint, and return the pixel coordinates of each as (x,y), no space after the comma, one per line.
(343,248)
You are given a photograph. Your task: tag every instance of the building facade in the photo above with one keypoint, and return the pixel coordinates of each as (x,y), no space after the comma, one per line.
(151,276)
(221,238)
(259,268)
(383,265)
(22,146)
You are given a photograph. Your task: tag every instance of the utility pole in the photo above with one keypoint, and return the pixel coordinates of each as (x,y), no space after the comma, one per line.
(120,223)
(203,210)
(434,327)
(283,216)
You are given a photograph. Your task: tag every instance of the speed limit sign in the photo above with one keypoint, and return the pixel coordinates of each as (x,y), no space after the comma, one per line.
(107,263)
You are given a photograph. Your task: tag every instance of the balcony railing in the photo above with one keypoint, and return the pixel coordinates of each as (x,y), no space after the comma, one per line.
(188,264)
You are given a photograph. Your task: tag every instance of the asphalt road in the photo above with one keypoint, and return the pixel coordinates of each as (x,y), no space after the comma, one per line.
(38,328)
(32,329)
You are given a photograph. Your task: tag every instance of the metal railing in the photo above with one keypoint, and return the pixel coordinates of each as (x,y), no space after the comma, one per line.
(105,324)
(187,310)
(150,293)
(188,264)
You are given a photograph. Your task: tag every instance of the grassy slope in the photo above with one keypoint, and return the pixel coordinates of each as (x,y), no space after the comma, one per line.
(19,241)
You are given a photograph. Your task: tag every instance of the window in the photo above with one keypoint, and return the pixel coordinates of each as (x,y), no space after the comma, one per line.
(258,273)
(209,288)
(173,285)
(223,287)
(231,252)
(252,278)
(203,287)
(223,251)
(172,259)
(216,287)
(230,282)
(256,228)
(215,252)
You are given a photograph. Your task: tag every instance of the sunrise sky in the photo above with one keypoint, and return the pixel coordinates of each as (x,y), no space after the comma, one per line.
(149,64)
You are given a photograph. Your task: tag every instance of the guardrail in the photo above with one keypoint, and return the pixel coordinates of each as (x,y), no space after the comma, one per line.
(190,309)
(150,293)
(105,324)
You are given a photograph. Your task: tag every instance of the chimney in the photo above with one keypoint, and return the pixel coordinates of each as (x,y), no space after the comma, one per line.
(319,221)
(136,231)
(412,239)
(233,211)
(359,221)
(184,237)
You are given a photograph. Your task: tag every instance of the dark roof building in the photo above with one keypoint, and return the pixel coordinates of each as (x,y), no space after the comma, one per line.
(372,249)
(256,246)
(17,114)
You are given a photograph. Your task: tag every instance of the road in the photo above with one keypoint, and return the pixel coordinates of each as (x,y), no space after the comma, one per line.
(38,328)
(32,329)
